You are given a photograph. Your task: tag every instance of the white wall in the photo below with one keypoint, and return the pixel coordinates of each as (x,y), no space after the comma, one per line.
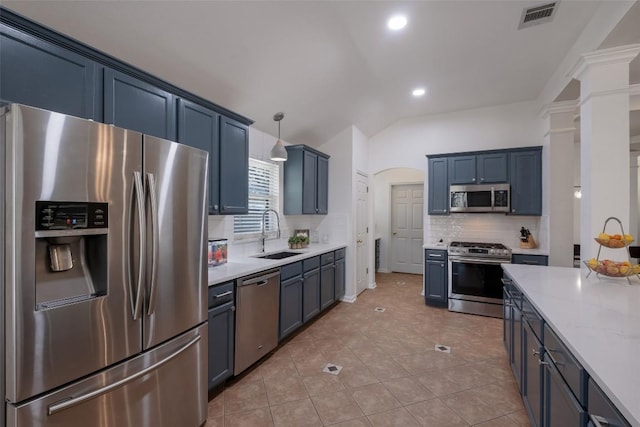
(576,201)
(407,142)
(382,205)
(339,222)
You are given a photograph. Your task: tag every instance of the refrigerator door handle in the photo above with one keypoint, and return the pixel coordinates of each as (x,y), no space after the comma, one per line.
(151,180)
(139,189)
(73,401)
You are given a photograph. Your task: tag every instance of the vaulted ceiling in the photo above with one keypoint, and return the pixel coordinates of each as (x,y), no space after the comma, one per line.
(328,64)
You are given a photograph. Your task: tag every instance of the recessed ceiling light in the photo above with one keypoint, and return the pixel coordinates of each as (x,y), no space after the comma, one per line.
(397,22)
(418,92)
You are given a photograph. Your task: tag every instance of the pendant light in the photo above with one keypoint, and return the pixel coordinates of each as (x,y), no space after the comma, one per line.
(278,153)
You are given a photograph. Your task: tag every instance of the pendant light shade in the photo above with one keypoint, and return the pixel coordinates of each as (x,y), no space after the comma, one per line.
(278,152)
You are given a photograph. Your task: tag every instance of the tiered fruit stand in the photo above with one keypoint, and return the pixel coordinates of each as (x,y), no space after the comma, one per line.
(611,268)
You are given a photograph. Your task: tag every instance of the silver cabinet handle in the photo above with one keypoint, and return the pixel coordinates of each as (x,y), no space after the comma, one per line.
(61,406)
(137,180)
(154,245)
(224,294)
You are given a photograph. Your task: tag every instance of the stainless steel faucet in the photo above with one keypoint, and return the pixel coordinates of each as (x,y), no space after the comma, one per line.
(263,234)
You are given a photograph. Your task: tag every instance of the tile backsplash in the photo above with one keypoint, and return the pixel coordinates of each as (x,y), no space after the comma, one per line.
(495,228)
(332,228)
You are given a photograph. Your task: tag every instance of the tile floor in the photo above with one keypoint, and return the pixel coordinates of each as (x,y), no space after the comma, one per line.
(391,374)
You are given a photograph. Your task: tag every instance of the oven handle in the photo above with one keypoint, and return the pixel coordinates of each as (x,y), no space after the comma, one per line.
(479,261)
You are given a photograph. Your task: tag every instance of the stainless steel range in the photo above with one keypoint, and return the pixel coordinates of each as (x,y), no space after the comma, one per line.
(475,277)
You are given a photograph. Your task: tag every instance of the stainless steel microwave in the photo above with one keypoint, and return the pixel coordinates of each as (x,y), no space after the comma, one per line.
(479,198)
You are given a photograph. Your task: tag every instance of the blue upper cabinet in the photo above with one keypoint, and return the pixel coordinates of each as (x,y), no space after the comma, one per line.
(485,168)
(234,167)
(526,181)
(43,75)
(199,127)
(306,181)
(438,187)
(462,170)
(492,168)
(134,104)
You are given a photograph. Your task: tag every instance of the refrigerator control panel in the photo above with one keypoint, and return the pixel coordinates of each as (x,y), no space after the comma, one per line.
(71,215)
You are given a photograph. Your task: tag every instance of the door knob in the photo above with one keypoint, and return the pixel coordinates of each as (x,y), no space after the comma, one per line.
(395,234)
(359,241)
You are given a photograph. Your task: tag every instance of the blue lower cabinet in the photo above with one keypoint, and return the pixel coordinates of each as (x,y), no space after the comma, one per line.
(221,333)
(327,285)
(532,378)
(561,408)
(339,280)
(310,294)
(435,278)
(290,305)
(529,259)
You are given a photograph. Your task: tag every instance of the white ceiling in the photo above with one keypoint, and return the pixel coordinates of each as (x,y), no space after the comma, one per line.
(328,64)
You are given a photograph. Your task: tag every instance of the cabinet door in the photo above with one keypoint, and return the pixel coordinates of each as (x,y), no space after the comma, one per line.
(221,337)
(525,170)
(529,259)
(532,375)
(323,186)
(517,346)
(290,305)
(43,75)
(438,187)
(339,278)
(133,104)
(507,324)
(198,128)
(309,183)
(234,167)
(435,276)
(327,284)
(560,406)
(311,294)
(492,168)
(462,170)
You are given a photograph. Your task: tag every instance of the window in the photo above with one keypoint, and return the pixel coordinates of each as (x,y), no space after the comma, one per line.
(264,179)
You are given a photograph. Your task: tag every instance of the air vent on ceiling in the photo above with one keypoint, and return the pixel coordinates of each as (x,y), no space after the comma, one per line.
(538,14)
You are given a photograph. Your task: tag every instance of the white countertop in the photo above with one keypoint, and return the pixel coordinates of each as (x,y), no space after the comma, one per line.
(239,266)
(598,320)
(440,246)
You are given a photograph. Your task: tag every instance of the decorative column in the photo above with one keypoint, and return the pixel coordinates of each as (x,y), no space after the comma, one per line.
(558,144)
(633,198)
(604,140)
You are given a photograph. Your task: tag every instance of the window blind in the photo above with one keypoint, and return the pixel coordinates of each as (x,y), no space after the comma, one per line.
(264,180)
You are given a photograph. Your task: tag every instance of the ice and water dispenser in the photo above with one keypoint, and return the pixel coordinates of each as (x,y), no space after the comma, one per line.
(71,252)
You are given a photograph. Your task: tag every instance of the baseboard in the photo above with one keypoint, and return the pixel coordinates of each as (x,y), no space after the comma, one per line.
(383,270)
(349,299)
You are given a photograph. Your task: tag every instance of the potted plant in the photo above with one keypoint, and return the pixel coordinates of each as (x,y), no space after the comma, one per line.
(298,242)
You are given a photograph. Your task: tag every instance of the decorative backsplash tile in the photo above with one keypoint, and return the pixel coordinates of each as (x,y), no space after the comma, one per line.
(494,228)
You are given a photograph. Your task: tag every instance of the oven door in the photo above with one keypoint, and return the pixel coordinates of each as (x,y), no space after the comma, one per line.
(475,286)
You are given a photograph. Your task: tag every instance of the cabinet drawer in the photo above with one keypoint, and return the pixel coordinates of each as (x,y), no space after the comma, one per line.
(340,253)
(570,369)
(220,294)
(529,259)
(290,270)
(560,405)
(327,258)
(310,263)
(602,410)
(435,255)
(533,319)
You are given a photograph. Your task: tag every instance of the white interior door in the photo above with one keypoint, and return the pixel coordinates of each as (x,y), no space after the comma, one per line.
(406,228)
(361,232)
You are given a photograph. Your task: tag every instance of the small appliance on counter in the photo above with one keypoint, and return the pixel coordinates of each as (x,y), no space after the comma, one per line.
(526,239)
(217,252)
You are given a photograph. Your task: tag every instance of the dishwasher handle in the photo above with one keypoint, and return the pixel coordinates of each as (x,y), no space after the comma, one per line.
(260,280)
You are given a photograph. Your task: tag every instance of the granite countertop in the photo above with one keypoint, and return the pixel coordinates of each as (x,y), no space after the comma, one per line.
(598,320)
(239,266)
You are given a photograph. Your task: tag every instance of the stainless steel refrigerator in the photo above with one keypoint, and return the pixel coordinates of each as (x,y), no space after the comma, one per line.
(103,275)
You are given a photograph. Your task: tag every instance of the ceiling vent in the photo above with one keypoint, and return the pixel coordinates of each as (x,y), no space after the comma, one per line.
(538,14)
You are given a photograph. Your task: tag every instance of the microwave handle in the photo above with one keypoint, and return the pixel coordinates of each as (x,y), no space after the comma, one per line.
(493,198)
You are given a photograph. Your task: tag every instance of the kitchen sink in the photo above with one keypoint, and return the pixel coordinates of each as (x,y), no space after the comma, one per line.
(278,255)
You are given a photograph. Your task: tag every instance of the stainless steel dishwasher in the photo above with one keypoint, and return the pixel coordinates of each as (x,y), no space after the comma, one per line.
(257,308)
